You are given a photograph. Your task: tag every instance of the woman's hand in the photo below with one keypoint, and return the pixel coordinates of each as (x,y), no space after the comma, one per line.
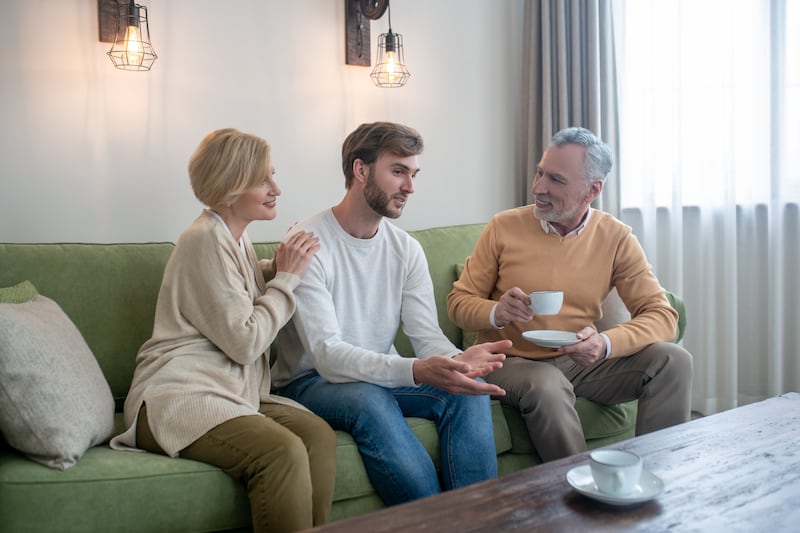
(294,254)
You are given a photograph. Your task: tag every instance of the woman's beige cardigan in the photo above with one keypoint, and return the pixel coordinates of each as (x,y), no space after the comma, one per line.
(208,359)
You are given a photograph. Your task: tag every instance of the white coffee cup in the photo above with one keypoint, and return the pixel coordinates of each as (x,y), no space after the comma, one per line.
(546,302)
(615,472)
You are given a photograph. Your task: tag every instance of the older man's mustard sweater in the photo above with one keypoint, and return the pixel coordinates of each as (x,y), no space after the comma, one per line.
(514,250)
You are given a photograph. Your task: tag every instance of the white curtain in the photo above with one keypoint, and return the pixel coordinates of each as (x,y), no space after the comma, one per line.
(710,180)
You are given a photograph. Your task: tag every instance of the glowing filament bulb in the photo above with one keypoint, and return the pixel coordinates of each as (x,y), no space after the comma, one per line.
(391,65)
(134,51)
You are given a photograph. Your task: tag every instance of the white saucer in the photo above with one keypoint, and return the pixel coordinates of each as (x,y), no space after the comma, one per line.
(550,338)
(649,487)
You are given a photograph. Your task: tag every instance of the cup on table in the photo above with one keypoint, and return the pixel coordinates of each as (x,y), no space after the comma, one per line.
(546,302)
(615,472)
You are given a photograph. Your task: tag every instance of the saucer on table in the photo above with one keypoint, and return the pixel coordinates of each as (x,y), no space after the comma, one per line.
(649,487)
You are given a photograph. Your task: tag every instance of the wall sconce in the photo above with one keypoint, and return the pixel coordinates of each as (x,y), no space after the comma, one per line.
(125,25)
(390,69)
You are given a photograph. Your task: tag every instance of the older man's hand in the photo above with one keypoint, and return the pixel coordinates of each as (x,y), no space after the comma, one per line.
(513,306)
(590,350)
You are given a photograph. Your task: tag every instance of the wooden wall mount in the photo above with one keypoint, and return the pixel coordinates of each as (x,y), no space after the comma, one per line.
(107,12)
(357,17)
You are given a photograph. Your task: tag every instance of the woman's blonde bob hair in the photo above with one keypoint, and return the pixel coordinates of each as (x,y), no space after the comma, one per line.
(226,164)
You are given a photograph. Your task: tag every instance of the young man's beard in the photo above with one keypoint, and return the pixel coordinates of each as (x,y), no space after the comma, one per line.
(377,198)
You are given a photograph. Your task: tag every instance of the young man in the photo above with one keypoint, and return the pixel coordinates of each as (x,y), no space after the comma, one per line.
(337,356)
(560,243)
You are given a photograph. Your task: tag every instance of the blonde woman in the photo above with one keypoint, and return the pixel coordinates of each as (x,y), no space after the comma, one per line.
(201,386)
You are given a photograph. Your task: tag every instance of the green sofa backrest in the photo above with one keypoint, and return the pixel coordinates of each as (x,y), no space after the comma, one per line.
(444,248)
(108,290)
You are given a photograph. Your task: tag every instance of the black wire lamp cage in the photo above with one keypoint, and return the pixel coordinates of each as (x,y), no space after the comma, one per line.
(131,49)
(390,66)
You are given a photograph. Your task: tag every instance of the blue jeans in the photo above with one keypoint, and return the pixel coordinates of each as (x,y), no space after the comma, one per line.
(397,464)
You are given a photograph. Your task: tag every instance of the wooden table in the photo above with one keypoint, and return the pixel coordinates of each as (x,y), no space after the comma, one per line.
(734,471)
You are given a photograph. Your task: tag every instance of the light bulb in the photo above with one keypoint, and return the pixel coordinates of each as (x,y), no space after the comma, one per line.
(391,65)
(134,52)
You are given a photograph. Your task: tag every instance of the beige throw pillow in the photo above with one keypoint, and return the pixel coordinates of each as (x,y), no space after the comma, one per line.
(54,400)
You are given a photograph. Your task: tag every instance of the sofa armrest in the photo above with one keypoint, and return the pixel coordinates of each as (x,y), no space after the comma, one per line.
(677,302)
(615,312)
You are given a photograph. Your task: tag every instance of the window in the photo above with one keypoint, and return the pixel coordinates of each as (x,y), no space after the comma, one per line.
(710,102)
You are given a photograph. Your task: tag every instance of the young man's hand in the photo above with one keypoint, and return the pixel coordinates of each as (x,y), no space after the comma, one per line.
(457,374)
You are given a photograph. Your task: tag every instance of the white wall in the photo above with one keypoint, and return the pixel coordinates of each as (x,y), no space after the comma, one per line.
(94,154)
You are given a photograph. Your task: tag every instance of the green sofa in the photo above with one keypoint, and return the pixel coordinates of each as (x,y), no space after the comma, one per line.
(109,292)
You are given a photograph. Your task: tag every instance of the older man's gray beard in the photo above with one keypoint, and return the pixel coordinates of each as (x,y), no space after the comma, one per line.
(552,216)
(556,215)
(538,214)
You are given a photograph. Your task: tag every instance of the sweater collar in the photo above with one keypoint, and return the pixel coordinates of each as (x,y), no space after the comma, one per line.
(548,228)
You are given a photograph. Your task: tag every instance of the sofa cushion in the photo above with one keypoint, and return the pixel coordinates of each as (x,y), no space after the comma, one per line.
(54,401)
(120,491)
(157,493)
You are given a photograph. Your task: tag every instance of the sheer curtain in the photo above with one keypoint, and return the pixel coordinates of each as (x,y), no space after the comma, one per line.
(709,180)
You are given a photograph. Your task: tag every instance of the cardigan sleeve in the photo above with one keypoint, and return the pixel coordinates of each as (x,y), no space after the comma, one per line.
(213,289)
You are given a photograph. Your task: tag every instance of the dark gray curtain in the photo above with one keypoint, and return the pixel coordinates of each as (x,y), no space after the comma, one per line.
(571,80)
